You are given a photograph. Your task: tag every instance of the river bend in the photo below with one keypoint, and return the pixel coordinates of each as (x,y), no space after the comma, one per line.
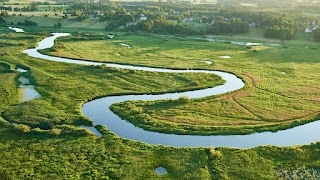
(98,111)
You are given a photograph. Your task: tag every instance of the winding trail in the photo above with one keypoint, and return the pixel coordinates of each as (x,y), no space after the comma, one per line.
(98,111)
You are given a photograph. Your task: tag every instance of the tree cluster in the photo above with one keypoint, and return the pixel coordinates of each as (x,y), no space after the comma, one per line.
(2,19)
(233,26)
(27,23)
(2,16)
(281,27)
(58,25)
(279,32)
(316,35)
(165,27)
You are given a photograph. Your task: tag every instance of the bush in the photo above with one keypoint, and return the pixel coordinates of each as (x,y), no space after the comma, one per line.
(4,14)
(2,20)
(214,153)
(27,23)
(22,128)
(71,130)
(58,25)
(316,35)
(56,131)
(184,100)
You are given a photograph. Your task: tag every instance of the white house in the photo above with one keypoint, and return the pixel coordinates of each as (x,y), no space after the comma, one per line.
(308,30)
(131,24)
(190,19)
(143,17)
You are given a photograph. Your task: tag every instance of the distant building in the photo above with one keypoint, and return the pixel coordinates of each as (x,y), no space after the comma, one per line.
(190,19)
(310,30)
(143,17)
(131,24)
(252,25)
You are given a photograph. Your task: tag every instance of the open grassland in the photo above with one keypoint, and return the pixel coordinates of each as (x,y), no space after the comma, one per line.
(64,87)
(282,83)
(67,152)
(7,85)
(35,154)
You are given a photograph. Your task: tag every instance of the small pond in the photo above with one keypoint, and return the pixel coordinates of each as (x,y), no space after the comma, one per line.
(26,89)
(161,170)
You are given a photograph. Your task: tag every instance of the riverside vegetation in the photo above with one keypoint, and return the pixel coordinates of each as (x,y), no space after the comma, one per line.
(40,138)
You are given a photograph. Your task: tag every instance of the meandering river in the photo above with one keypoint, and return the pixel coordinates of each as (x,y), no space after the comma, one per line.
(98,111)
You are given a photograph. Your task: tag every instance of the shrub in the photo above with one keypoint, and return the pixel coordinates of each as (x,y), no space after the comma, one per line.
(2,20)
(27,23)
(184,100)
(4,14)
(21,127)
(214,153)
(55,131)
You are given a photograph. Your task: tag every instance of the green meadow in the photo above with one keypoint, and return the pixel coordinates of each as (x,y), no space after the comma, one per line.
(41,138)
(51,19)
(281,82)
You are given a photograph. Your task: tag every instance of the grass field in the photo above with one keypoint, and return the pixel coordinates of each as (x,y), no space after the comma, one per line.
(41,154)
(47,22)
(74,154)
(282,87)
(28,1)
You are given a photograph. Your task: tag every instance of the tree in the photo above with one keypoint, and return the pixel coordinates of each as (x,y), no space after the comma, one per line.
(204,19)
(2,20)
(316,35)
(49,8)
(34,7)
(58,25)
(4,14)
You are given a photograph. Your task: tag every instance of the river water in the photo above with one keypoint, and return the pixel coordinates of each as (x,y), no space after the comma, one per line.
(98,111)
(27,90)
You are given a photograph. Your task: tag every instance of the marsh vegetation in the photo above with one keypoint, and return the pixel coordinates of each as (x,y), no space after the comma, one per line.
(41,138)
